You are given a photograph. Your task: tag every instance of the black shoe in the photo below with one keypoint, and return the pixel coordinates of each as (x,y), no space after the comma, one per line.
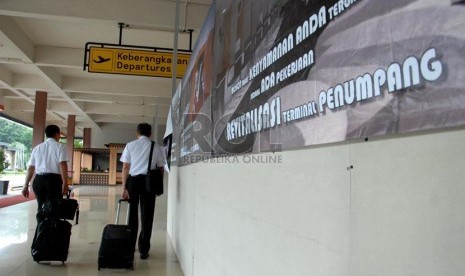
(144,256)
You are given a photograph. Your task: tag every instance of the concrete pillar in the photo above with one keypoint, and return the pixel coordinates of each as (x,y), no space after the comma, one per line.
(13,160)
(70,141)
(77,167)
(40,110)
(87,138)
(113,165)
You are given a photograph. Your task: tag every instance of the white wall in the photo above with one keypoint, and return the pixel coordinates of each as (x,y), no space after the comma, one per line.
(399,211)
(408,202)
(119,133)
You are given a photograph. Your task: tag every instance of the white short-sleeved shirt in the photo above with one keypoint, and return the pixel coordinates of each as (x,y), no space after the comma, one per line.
(136,153)
(46,157)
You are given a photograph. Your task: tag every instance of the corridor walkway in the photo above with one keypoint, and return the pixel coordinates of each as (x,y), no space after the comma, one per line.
(97,208)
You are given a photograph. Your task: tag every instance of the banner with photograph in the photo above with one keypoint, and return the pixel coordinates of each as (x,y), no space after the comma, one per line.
(191,104)
(287,74)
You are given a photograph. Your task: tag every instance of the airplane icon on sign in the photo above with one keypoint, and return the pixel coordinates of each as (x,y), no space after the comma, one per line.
(101,59)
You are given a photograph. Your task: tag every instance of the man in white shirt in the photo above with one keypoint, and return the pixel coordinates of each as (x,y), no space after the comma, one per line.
(135,160)
(48,162)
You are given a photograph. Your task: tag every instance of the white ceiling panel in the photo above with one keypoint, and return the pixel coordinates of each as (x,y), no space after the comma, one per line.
(42,45)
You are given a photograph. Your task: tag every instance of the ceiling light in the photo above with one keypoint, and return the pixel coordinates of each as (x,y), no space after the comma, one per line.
(12,60)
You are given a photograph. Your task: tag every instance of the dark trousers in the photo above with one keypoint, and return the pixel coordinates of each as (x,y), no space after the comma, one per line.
(137,193)
(47,187)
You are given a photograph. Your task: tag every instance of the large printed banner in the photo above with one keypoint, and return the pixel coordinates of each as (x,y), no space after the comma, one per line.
(290,74)
(191,104)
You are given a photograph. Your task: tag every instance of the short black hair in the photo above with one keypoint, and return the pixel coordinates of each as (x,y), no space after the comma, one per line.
(51,130)
(144,129)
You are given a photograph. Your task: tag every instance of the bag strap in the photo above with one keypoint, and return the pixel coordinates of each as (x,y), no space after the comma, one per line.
(150,156)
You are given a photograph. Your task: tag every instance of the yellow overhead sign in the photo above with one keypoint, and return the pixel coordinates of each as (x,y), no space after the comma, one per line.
(135,62)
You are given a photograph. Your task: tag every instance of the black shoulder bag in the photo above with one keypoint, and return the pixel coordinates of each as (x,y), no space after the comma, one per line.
(154,179)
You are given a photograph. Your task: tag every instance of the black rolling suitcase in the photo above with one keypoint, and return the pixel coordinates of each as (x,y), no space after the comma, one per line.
(51,240)
(117,246)
(52,236)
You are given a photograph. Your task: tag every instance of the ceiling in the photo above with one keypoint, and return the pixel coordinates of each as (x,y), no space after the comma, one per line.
(42,49)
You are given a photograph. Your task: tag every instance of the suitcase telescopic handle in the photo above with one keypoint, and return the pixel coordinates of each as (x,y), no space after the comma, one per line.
(127,213)
(68,194)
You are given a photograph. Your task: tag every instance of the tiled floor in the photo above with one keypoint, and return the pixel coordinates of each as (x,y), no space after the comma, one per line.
(97,208)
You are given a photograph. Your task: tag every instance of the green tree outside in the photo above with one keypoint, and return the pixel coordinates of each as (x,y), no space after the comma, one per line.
(78,143)
(3,162)
(16,134)
(11,132)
